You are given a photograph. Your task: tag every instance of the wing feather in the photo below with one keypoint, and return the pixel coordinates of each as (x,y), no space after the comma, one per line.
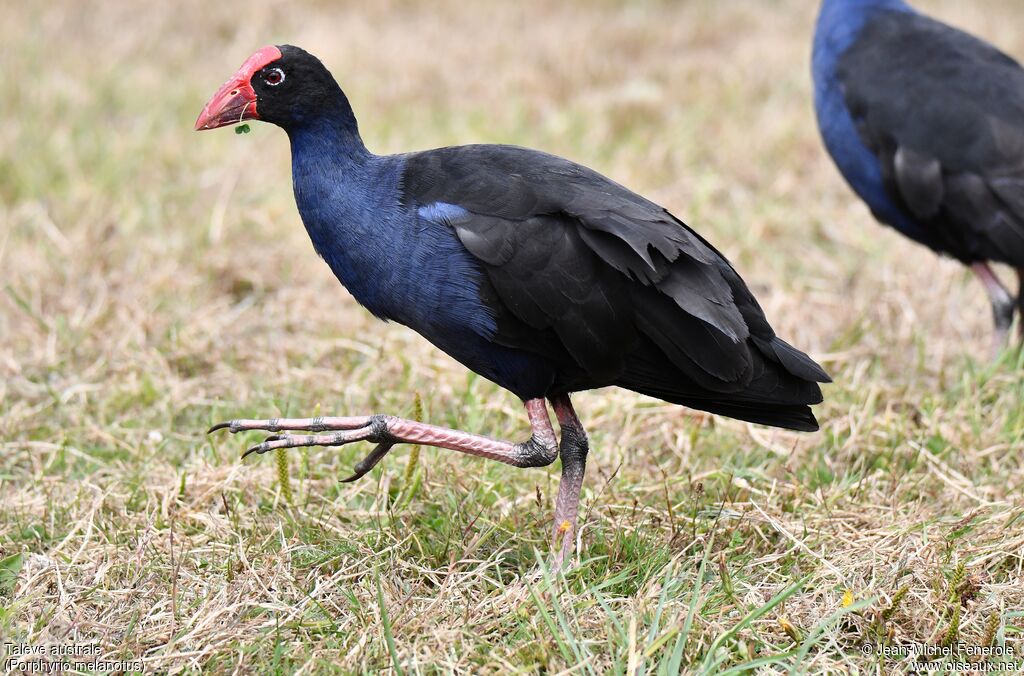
(609,273)
(944,113)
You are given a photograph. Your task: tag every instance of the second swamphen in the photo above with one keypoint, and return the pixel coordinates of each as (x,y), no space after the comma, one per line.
(533,271)
(926,123)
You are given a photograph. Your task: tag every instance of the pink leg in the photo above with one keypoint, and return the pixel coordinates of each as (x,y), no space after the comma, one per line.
(1003,306)
(574,448)
(386,431)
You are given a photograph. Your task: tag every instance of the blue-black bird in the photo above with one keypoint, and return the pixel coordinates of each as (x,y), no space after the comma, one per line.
(926,123)
(533,271)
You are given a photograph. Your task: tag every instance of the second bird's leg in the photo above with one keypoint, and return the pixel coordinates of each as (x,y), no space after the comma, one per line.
(386,431)
(1003,305)
(1020,304)
(574,448)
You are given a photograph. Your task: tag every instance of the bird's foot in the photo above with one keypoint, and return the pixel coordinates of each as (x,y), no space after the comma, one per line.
(1004,306)
(1003,313)
(372,428)
(387,431)
(319,424)
(375,430)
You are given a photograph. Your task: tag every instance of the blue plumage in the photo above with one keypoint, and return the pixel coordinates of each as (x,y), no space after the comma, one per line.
(442,212)
(533,271)
(926,123)
(403,263)
(839,25)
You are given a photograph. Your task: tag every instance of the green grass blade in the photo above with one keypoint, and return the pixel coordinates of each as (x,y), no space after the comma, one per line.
(386,624)
(711,662)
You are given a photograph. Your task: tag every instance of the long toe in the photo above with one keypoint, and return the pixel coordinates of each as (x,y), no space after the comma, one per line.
(319,424)
(297,440)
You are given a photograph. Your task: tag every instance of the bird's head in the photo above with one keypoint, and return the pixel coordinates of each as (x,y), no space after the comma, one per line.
(283,85)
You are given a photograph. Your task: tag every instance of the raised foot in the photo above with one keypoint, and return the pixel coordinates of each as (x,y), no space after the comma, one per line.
(387,431)
(542,448)
(367,428)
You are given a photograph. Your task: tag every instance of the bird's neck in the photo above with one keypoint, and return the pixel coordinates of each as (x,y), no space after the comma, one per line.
(331,132)
(839,24)
(332,169)
(348,200)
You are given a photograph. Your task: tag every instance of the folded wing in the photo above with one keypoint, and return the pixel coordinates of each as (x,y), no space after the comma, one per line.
(611,286)
(944,114)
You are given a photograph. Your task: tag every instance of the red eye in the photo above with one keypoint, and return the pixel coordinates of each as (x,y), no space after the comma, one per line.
(274,77)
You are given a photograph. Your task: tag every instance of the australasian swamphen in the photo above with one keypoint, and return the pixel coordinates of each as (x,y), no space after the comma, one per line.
(537,273)
(926,123)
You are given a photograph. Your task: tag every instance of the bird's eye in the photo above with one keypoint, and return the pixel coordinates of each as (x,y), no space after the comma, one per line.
(274,77)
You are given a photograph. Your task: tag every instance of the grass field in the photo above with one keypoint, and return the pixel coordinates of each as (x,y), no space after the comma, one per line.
(154,281)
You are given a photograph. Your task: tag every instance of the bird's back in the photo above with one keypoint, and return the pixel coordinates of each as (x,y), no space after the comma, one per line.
(608,287)
(926,122)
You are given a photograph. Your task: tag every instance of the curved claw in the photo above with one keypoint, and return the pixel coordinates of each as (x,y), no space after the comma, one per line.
(369,462)
(220,426)
(262,447)
(258,448)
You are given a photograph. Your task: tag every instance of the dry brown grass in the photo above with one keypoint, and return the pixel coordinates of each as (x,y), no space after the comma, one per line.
(155,280)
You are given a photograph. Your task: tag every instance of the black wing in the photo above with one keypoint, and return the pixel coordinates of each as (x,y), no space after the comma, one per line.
(610,286)
(944,113)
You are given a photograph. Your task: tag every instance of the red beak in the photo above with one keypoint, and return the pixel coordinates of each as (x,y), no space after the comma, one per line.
(235,101)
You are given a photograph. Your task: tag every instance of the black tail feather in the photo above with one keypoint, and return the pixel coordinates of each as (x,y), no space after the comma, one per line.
(787,416)
(792,359)
(783,386)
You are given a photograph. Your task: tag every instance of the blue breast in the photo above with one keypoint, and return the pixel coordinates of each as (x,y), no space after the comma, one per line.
(840,24)
(403,264)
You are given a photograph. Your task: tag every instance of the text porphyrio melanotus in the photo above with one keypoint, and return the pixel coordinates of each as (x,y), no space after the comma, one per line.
(537,273)
(926,123)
